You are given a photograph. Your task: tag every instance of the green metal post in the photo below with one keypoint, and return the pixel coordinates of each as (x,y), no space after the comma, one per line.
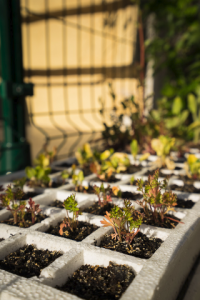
(15,151)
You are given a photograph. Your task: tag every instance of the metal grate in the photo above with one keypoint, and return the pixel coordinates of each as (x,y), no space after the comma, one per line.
(96,45)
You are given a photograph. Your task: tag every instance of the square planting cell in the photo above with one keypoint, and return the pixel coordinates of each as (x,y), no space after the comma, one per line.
(95,275)
(29,254)
(77,231)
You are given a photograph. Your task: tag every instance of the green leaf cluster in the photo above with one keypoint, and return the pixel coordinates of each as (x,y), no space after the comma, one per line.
(175,49)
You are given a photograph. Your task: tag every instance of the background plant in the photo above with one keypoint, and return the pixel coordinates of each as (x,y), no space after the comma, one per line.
(128,122)
(162,145)
(77,180)
(175,49)
(192,166)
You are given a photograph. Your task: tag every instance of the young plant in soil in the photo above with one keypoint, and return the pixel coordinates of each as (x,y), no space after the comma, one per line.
(97,283)
(106,169)
(77,180)
(126,238)
(28,261)
(192,167)
(104,200)
(162,145)
(38,176)
(70,227)
(22,216)
(65,174)
(155,204)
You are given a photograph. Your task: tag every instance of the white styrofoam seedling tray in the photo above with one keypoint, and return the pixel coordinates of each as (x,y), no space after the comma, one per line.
(180,182)
(168,266)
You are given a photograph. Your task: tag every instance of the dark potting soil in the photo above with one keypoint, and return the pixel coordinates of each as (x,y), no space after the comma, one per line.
(56,184)
(83,189)
(28,261)
(57,203)
(130,195)
(112,179)
(86,171)
(160,174)
(67,164)
(187,180)
(30,195)
(98,210)
(53,171)
(168,223)
(99,283)
(180,160)
(27,218)
(141,246)
(184,203)
(132,169)
(187,188)
(135,182)
(79,233)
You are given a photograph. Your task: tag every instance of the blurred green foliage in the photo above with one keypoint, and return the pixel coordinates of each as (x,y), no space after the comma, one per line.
(176,46)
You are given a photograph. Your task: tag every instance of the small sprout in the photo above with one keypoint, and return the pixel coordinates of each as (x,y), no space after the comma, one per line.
(11,200)
(65,175)
(33,208)
(84,155)
(104,194)
(162,146)
(134,148)
(125,221)
(106,154)
(38,176)
(70,205)
(117,163)
(77,180)
(132,179)
(45,158)
(19,183)
(144,156)
(155,203)
(192,166)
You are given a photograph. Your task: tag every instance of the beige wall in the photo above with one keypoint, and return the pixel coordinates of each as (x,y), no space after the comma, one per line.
(58,44)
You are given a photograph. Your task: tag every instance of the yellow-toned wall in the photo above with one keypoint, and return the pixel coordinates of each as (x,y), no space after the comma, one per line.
(60,104)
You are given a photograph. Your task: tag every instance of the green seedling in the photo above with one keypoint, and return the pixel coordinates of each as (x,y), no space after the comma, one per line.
(45,158)
(134,148)
(103,194)
(11,199)
(34,209)
(84,155)
(38,176)
(77,180)
(68,173)
(117,163)
(125,222)
(70,204)
(19,183)
(192,167)
(155,203)
(162,146)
